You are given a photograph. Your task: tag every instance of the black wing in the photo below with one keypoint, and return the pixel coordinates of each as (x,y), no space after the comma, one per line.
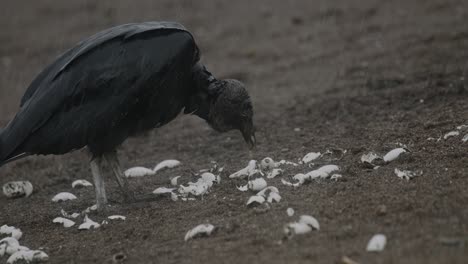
(87,89)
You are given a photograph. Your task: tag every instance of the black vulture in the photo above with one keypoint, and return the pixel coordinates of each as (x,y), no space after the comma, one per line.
(116,84)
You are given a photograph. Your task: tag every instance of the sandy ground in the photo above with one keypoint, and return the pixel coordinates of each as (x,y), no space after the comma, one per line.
(355,75)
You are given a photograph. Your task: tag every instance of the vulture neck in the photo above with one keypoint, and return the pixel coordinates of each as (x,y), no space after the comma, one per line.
(205,92)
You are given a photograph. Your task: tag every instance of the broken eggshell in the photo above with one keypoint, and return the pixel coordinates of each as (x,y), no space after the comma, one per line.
(81,183)
(200,230)
(451,134)
(309,220)
(117,217)
(406,174)
(245,172)
(17,189)
(65,222)
(11,231)
(8,246)
(63,196)
(393,154)
(88,224)
(257,184)
(273,173)
(138,172)
(311,156)
(255,200)
(174,180)
(267,164)
(376,243)
(29,256)
(166,164)
(290,211)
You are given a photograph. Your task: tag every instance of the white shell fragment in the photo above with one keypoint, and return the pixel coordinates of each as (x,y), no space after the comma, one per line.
(63,196)
(81,183)
(273,173)
(65,222)
(336,177)
(300,178)
(309,220)
(17,189)
(369,157)
(451,134)
(465,138)
(322,172)
(245,172)
(285,162)
(377,243)
(67,215)
(174,180)
(406,174)
(256,199)
(200,187)
(166,164)
(88,224)
(271,194)
(243,188)
(311,157)
(117,217)
(163,190)
(290,211)
(11,231)
(200,230)
(297,229)
(267,164)
(138,172)
(257,184)
(8,246)
(393,154)
(28,256)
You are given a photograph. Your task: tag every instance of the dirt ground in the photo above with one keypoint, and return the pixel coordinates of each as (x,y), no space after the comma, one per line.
(355,75)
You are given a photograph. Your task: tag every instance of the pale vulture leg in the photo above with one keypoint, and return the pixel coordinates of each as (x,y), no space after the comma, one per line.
(114,163)
(101,198)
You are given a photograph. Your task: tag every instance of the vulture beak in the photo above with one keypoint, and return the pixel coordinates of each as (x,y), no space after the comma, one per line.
(248,132)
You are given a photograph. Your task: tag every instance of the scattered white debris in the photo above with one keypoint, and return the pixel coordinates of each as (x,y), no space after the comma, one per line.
(117,217)
(163,190)
(88,224)
(257,184)
(290,211)
(322,172)
(310,221)
(285,162)
(174,180)
(28,256)
(245,172)
(271,194)
(451,134)
(166,164)
(369,157)
(296,229)
(336,177)
(138,172)
(89,209)
(81,183)
(311,156)
(65,222)
(17,189)
(8,246)
(273,173)
(243,188)
(256,200)
(393,154)
(267,164)
(67,215)
(200,230)
(377,243)
(300,178)
(12,231)
(305,224)
(63,196)
(406,174)
(465,138)
(462,127)
(200,187)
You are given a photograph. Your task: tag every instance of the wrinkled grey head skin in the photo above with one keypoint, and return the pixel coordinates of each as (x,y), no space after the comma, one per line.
(232,109)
